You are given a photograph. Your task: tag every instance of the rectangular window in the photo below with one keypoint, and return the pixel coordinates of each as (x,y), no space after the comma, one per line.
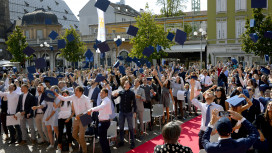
(27,34)
(240,27)
(39,34)
(221,5)
(240,5)
(221,29)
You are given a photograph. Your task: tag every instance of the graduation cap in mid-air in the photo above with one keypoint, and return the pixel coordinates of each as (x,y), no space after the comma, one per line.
(252,23)
(148,51)
(30,77)
(122,70)
(266,58)
(118,42)
(138,64)
(28,51)
(61,43)
(88,54)
(102,5)
(263,87)
(129,59)
(117,63)
(235,100)
(52,80)
(120,58)
(170,36)
(49,96)
(132,30)
(181,37)
(99,78)
(158,48)
(234,61)
(141,70)
(265,71)
(70,37)
(103,47)
(53,35)
(40,63)
(148,64)
(254,37)
(258,3)
(31,69)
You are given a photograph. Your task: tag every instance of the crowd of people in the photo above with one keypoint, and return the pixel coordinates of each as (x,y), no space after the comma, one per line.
(234,102)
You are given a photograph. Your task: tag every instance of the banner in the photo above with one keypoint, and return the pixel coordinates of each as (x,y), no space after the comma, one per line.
(101,34)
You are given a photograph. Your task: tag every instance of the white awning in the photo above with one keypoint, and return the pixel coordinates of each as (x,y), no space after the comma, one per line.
(186,48)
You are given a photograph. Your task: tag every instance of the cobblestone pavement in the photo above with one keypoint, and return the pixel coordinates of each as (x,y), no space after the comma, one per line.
(37,148)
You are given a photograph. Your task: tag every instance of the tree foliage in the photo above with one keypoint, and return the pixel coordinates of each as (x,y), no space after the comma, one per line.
(262,24)
(74,50)
(170,8)
(16,44)
(188,29)
(150,33)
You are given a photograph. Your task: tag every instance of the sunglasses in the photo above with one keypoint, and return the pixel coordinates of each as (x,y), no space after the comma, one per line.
(249,89)
(218,90)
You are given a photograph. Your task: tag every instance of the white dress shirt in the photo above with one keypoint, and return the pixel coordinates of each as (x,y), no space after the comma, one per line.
(207,80)
(91,90)
(13,99)
(23,101)
(203,107)
(81,105)
(104,109)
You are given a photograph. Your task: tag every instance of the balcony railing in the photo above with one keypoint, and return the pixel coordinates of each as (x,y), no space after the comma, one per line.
(40,41)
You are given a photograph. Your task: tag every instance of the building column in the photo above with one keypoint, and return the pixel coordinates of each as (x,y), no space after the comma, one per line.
(51,55)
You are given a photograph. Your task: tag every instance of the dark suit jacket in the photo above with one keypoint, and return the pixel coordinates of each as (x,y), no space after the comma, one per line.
(29,103)
(253,112)
(37,103)
(95,95)
(230,145)
(32,90)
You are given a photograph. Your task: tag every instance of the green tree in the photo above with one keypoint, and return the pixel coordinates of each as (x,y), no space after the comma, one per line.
(170,8)
(74,50)
(16,44)
(262,24)
(149,34)
(188,29)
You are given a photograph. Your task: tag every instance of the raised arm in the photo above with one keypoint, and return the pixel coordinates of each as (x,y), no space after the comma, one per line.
(248,105)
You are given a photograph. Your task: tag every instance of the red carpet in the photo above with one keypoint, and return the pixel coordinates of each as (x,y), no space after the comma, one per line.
(188,137)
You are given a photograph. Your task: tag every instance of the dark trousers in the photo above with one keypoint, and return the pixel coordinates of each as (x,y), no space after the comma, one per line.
(102,132)
(122,117)
(13,132)
(61,123)
(200,134)
(3,121)
(178,102)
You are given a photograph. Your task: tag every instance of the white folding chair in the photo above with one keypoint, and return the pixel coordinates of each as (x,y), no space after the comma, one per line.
(157,112)
(112,131)
(146,118)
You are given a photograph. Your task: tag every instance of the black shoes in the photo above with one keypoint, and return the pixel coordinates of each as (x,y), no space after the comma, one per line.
(120,144)
(132,146)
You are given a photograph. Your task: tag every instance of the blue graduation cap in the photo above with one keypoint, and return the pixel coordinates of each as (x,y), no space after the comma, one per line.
(135,60)
(86,119)
(138,64)
(254,37)
(265,71)
(158,48)
(148,51)
(194,77)
(161,69)
(235,100)
(263,87)
(103,47)
(31,69)
(48,21)
(95,46)
(70,37)
(60,76)
(122,70)
(170,36)
(28,51)
(53,35)
(52,80)
(132,30)
(246,93)
(92,59)
(258,3)
(49,96)
(234,61)
(117,63)
(120,58)
(51,48)
(88,54)
(14,69)
(129,59)
(99,78)
(141,70)
(61,43)
(40,63)
(118,42)
(30,77)
(268,34)
(149,78)
(86,65)
(266,57)
(102,5)
(181,37)
(252,23)
(148,64)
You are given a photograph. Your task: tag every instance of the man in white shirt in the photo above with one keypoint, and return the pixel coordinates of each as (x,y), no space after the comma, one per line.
(206,81)
(80,105)
(104,119)
(206,108)
(13,98)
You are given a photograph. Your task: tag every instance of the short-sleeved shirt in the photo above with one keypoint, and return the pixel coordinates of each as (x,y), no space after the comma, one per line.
(165,148)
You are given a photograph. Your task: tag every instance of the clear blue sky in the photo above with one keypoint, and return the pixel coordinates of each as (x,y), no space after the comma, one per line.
(76,5)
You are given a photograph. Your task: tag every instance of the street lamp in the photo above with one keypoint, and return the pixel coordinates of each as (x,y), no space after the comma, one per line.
(45,45)
(203,33)
(115,39)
